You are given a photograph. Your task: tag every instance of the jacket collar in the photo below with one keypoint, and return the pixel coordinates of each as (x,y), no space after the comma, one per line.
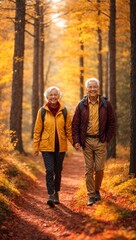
(85,100)
(60,108)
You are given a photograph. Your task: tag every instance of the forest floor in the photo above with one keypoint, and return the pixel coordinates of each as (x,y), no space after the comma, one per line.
(33,219)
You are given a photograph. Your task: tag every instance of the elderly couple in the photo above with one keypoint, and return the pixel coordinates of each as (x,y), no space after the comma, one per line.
(92,127)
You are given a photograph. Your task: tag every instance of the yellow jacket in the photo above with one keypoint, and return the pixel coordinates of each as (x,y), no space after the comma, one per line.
(44,139)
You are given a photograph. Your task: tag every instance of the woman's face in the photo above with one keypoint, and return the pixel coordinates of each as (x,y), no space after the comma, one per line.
(53,97)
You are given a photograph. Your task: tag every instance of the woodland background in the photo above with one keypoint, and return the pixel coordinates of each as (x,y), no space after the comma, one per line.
(63,43)
(67,26)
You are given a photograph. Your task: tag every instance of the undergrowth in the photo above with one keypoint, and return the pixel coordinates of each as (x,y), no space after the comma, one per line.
(17,172)
(118,205)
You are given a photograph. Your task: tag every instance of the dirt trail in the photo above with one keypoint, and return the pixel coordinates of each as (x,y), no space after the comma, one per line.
(34,220)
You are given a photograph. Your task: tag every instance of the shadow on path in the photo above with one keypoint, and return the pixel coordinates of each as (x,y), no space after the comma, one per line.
(32,218)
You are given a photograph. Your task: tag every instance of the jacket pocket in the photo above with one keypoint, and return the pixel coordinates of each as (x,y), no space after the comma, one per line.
(45,135)
(44,143)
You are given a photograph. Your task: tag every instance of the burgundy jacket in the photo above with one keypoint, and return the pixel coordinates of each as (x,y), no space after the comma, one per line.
(80,122)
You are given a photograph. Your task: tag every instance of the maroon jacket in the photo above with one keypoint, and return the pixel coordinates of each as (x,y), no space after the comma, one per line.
(80,122)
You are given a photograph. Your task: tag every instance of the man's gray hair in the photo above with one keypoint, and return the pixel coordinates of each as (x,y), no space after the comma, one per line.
(92,80)
(48,90)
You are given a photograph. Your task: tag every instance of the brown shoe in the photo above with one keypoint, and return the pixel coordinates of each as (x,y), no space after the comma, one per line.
(91,201)
(97,196)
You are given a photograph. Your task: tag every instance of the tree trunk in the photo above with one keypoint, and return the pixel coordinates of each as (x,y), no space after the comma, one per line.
(107,75)
(132,169)
(112,67)
(47,72)
(17,84)
(81,64)
(41,57)
(35,87)
(100,69)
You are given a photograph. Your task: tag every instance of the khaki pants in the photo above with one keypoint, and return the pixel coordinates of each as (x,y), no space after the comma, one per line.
(95,155)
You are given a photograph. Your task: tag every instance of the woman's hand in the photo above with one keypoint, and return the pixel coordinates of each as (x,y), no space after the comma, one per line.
(36,153)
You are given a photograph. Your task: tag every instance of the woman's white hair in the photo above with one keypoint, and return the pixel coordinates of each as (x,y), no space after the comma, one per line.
(92,80)
(48,90)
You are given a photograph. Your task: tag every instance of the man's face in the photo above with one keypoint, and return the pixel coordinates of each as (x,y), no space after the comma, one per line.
(92,90)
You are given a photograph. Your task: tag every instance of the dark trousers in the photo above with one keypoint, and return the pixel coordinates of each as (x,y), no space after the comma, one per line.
(53,162)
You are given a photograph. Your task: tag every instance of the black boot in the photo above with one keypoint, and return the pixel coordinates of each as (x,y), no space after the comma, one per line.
(56,198)
(50,201)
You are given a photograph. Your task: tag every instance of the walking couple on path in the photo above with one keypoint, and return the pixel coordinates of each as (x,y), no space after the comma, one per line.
(92,127)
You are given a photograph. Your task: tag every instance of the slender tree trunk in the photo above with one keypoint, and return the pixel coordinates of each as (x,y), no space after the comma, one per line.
(47,72)
(41,57)
(107,75)
(132,169)
(81,64)
(35,86)
(17,84)
(100,67)
(112,66)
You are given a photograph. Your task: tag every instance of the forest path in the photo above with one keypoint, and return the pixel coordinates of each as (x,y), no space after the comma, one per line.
(33,219)
(72,219)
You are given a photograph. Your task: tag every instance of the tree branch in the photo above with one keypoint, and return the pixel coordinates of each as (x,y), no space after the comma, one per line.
(29,33)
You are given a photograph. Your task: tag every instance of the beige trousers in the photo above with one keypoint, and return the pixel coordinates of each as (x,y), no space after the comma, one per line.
(95,155)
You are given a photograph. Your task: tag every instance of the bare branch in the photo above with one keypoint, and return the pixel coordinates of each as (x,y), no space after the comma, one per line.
(12,19)
(32,24)
(8,9)
(97,8)
(29,33)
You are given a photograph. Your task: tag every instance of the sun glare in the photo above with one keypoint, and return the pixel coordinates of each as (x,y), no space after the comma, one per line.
(56,17)
(56,1)
(59,22)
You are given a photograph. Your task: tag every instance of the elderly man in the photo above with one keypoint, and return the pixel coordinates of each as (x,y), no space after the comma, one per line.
(93,126)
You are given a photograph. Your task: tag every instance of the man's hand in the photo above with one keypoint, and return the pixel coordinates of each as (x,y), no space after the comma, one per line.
(77,146)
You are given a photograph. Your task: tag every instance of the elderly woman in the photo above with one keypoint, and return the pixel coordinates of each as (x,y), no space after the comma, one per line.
(51,132)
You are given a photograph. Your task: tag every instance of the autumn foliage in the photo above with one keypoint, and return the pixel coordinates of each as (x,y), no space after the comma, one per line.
(67,24)
(22,177)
